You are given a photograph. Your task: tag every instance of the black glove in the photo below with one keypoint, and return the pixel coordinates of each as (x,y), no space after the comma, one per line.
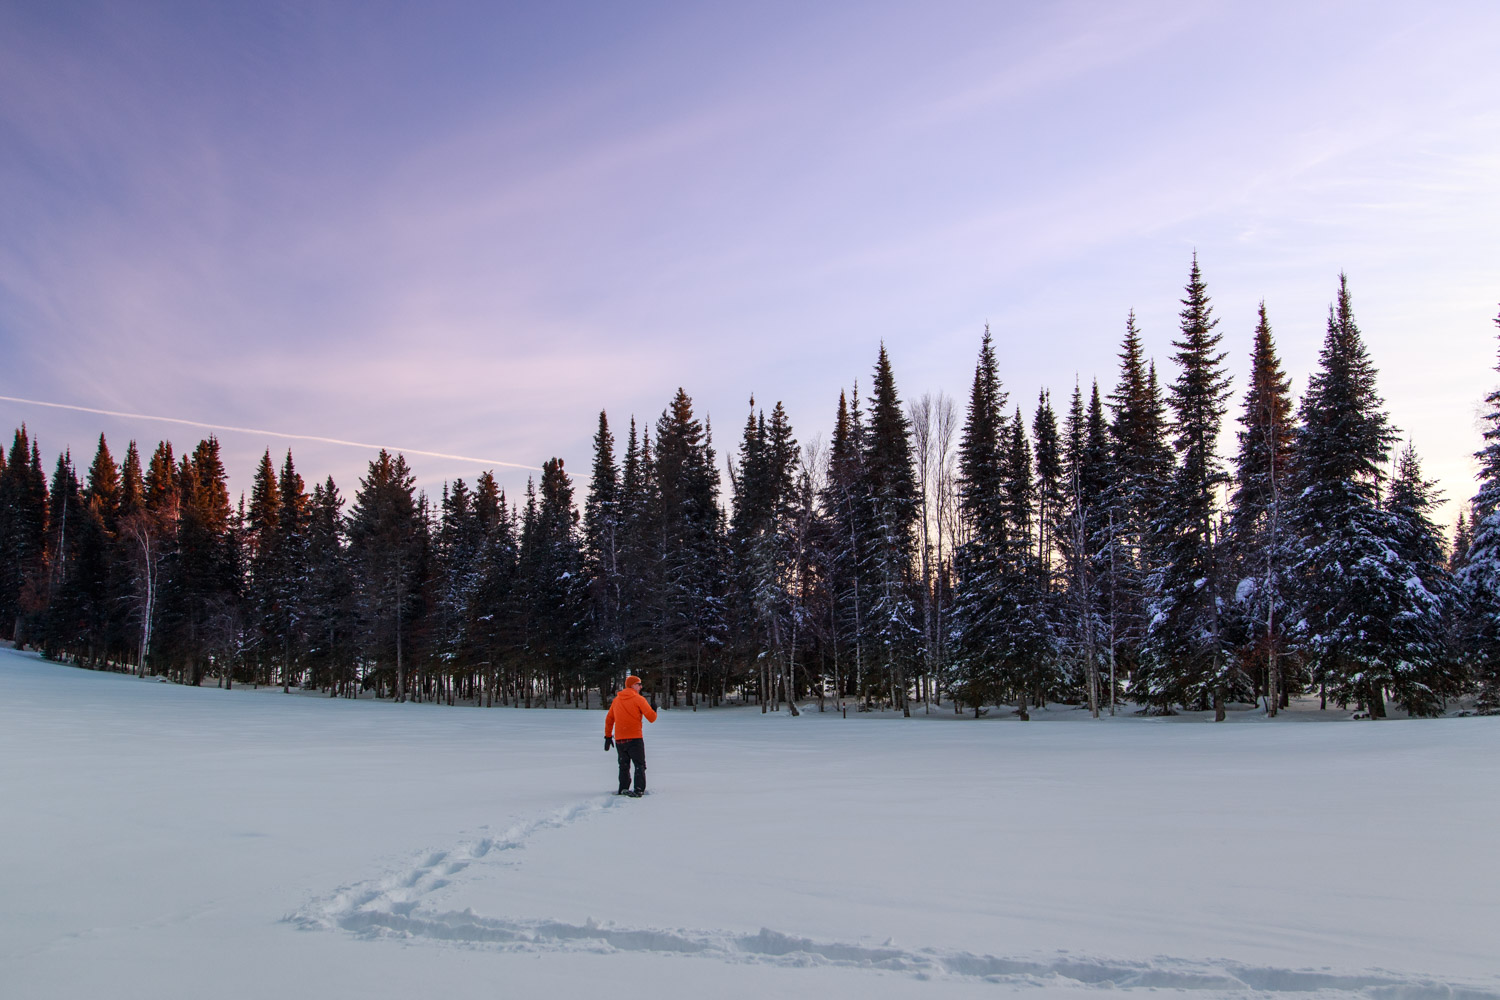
(609,743)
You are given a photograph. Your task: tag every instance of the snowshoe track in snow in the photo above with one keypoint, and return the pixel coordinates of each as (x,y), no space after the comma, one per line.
(388,907)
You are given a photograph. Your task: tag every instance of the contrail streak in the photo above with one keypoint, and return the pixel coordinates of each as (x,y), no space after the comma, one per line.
(277,434)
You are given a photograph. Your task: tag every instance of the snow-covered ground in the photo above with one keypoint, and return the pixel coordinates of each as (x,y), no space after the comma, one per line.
(159,841)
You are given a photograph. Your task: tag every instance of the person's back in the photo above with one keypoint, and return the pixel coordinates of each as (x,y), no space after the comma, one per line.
(622,729)
(625,714)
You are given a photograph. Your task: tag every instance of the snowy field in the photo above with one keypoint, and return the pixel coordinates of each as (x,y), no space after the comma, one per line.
(160,842)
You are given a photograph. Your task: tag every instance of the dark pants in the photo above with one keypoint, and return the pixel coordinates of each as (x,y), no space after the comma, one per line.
(632,751)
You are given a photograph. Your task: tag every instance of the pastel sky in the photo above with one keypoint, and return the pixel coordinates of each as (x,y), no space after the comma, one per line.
(465,228)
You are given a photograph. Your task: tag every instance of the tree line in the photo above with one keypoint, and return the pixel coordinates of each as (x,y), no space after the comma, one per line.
(1103,556)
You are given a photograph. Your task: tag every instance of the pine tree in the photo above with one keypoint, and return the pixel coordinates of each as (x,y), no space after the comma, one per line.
(265,624)
(387,542)
(980,562)
(1126,531)
(292,570)
(1479,575)
(1423,595)
(23,536)
(602,551)
(328,602)
(493,615)
(94,576)
(690,591)
(1459,554)
(148,535)
(62,617)
(842,550)
(640,544)
(458,545)
(1087,472)
(1257,516)
(1025,633)
(764,552)
(1342,573)
(132,482)
(891,491)
(200,623)
(551,563)
(1050,486)
(1184,657)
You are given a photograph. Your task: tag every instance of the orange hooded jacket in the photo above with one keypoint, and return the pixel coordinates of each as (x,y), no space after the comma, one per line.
(624,719)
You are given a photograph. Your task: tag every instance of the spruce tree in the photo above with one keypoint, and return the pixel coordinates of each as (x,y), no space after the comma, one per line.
(328,607)
(96,576)
(62,616)
(23,536)
(1050,487)
(1423,596)
(764,553)
(148,535)
(1343,586)
(458,548)
(1025,633)
(1141,469)
(493,615)
(602,551)
(842,556)
(891,491)
(1479,574)
(551,563)
(640,556)
(200,601)
(386,542)
(980,563)
(690,590)
(1458,555)
(292,570)
(132,482)
(263,612)
(1184,659)
(1257,518)
(1086,476)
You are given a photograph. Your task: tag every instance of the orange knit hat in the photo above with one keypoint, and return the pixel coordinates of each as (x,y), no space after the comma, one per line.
(632,679)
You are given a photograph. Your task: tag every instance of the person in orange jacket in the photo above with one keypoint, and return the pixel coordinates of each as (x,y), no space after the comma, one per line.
(624,722)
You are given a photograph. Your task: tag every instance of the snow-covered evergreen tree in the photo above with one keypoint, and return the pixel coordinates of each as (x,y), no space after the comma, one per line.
(689,593)
(1184,658)
(976,669)
(23,534)
(1350,583)
(1081,623)
(1050,487)
(1023,627)
(891,494)
(328,603)
(1257,519)
(388,542)
(1140,470)
(551,580)
(843,548)
(1424,672)
(263,625)
(764,552)
(1479,575)
(1458,554)
(601,553)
